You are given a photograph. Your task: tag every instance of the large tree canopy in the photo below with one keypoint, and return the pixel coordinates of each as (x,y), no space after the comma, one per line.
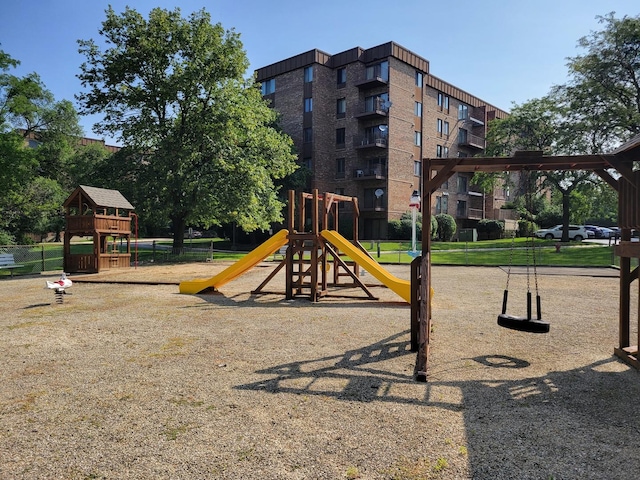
(593,113)
(603,93)
(37,136)
(200,142)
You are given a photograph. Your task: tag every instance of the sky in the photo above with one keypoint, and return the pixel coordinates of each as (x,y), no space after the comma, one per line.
(504,52)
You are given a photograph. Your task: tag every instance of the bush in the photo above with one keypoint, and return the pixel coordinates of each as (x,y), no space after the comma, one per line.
(446,227)
(526,228)
(492,228)
(401,229)
(549,217)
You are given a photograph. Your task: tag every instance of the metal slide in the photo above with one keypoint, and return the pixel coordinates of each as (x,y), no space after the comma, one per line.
(247,262)
(399,286)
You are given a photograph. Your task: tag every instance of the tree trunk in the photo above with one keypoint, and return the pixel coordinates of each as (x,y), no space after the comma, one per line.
(178,234)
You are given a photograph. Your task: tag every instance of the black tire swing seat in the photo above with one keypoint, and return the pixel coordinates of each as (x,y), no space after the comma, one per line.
(523,324)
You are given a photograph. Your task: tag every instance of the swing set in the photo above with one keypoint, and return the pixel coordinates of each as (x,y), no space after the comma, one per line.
(616,169)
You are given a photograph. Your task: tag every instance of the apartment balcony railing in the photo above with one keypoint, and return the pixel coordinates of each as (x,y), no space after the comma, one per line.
(377,206)
(466,139)
(370,141)
(374,78)
(376,173)
(474,213)
(378,108)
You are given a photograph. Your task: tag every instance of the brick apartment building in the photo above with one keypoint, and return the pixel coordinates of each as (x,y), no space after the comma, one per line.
(362,121)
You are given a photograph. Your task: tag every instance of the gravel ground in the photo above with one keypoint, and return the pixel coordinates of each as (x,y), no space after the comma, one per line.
(135,381)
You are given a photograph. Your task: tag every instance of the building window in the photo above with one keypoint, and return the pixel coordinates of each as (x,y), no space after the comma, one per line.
(418,79)
(341,76)
(439,151)
(340,137)
(462,184)
(417,168)
(340,168)
(308,104)
(445,152)
(440,100)
(463,111)
(307,135)
(439,127)
(417,109)
(374,198)
(442,204)
(461,209)
(268,86)
(340,191)
(308,74)
(417,138)
(446,103)
(445,128)
(307,162)
(341,107)
(380,70)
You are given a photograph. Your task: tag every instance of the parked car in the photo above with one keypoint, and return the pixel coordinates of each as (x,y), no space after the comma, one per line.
(607,232)
(576,232)
(597,231)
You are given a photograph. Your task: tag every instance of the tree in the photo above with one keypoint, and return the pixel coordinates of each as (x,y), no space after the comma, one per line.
(201,147)
(538,124)
(37,137)
(603,94)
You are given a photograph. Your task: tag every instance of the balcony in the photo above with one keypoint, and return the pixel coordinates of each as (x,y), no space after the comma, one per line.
(474,213)
(378,108)
(378,172)
(370,141)
(466,139)
(376,206)
(375,76)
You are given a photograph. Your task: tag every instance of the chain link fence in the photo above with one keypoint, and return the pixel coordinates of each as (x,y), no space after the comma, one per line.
(33,259)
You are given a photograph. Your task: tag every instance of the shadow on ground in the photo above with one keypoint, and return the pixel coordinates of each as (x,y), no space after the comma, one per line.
(524,425)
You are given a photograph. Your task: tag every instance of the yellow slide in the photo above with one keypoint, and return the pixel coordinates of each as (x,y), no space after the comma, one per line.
(247,262)
(401,287)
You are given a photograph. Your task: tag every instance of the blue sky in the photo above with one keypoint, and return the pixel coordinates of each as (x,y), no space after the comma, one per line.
(502,51)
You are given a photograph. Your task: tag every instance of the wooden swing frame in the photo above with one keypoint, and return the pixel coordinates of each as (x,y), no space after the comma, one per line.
(625,181)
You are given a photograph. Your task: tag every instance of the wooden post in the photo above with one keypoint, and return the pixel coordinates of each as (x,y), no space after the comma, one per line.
(424,314)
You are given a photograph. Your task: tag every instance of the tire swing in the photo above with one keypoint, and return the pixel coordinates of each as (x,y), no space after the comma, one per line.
(524,324)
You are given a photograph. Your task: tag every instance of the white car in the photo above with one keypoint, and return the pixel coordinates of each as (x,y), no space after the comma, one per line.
(576,232)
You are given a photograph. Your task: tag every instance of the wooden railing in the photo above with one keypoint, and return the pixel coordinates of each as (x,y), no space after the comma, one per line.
(100,223)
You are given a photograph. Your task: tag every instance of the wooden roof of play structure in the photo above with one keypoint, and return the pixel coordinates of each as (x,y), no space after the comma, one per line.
(99,198)
(616,168)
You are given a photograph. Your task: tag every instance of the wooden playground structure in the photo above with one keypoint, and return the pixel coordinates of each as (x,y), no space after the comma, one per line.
(625,181)
(105,215)
(309,257)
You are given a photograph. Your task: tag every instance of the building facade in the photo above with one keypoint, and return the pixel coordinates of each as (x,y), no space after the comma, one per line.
(363,120)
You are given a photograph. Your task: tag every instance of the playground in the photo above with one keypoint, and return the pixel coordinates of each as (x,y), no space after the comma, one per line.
(128,378)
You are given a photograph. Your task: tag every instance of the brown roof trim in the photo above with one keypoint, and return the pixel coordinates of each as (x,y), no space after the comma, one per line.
(357,54)
(448,89)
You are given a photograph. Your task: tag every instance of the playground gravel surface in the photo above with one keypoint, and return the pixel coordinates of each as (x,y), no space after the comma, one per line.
(128,380)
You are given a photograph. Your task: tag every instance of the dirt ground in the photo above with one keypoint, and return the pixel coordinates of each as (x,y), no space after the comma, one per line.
(134,380)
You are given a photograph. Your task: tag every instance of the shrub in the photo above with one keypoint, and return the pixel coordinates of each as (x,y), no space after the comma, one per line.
(549,217)
(526,228)
(446,227)
(493,228)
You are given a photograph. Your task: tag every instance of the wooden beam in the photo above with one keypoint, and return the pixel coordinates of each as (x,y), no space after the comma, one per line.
(606,176)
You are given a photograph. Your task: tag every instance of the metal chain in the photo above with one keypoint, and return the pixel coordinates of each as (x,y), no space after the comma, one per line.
(513,244)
